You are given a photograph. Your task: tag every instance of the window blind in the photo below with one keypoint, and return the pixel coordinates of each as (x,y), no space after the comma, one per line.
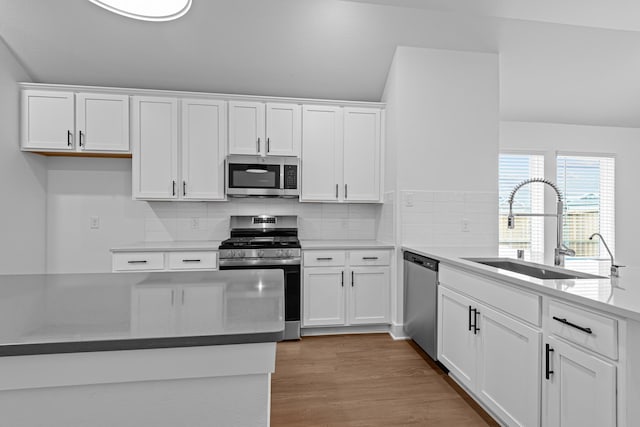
(588,186)
(528,233)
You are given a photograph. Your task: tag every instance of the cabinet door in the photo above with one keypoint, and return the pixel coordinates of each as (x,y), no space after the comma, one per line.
(321,165)
(102,122)
(246,128)
(323,290)
(203,149)
(581,391)
(201,310)
(47,120)
(283,129)
(362,154)
(369,296)
(155,147)
(456,342)
(508,379)
(153,311)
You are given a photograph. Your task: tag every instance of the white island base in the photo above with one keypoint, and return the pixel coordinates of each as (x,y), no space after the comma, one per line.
(222,385)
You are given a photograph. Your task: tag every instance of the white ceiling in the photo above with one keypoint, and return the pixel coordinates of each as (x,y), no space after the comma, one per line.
(336,49)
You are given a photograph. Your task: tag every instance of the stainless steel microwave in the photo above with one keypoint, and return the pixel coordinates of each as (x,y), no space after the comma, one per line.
(262,176)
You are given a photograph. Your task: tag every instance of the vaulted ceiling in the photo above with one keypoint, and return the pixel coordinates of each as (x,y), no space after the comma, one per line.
(568,61)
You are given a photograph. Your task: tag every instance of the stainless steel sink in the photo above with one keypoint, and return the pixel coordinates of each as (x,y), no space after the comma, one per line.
(539,271)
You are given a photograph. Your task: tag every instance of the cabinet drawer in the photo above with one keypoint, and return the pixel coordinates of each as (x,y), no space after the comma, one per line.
(585,328)
(202,260)
(138,261)
(369,258)
(324,258)
(521,304)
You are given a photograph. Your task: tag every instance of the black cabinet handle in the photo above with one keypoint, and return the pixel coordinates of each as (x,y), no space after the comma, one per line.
(375,257)
(352,279)
(174,187)
(80,138)
(137,262)
(573,325)
(470,325)
(268,145)
(258,151)
(68,138)
(475,321)
(336,191)
(547,371)
(190,260)
(345,191)
(342,278)
(184,188)
(327,258)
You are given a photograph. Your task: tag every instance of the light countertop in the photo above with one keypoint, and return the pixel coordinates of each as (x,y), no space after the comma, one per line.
(186,245)
(62,313)
(619,296)
(344,244)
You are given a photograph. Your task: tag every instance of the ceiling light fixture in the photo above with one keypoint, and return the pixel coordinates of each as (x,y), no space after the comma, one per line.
(146,10)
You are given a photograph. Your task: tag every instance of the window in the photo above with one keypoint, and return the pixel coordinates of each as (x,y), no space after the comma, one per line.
(528,233)
(587,184)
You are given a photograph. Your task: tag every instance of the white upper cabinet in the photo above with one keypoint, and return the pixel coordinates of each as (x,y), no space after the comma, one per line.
(246,127)
(47,120)
(271,129)
(55,121)
(361,154)
(155,147)
(341,152)
(283,129)
(102,122)
(321,165)
(156,172)
(203,154)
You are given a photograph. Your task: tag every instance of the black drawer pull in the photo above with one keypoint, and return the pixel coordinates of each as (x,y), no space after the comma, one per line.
(191,260)
(470,324)
(143,261)
(370,257)
(475,321)
(573,325)
(328,258)
(547,371)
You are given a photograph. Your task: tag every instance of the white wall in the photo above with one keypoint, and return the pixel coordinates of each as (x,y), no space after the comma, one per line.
(80,188)
(624,143)
(442,108)
(23,178)
(442,139)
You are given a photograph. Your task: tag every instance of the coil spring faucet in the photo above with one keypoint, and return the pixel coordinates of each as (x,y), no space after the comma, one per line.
(561,250)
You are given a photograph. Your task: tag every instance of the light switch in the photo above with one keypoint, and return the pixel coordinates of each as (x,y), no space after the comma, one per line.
(94,222)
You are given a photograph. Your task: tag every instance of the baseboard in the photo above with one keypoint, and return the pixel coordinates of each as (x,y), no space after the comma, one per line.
(397,332)
(341,330)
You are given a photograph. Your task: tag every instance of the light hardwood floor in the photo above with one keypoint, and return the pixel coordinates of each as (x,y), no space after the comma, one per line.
(365,380)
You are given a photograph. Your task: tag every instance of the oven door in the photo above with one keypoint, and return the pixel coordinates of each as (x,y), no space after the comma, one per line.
(292,281)
(253,179)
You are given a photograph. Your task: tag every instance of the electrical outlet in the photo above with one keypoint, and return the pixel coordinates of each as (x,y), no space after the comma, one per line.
(409,200)
(195,223)
(464,225)
(94,222)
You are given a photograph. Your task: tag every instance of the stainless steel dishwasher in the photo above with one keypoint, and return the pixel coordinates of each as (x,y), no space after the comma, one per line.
(421,301)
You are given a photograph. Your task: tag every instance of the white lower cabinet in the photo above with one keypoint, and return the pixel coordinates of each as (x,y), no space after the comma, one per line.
(342,288)
(494,356)
(201,260)
(176,310)
(581,388)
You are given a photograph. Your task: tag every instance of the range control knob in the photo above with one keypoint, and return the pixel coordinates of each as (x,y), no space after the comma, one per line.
(239,254)
(260,253)
(280,253)
(229,254)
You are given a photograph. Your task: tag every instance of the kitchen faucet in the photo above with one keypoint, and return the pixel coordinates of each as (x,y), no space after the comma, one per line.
(561,250)
(615,269)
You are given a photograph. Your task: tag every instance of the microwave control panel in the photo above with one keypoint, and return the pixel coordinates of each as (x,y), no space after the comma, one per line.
(290,177)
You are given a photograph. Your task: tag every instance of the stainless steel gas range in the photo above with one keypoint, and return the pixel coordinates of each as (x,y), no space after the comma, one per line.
(268,242)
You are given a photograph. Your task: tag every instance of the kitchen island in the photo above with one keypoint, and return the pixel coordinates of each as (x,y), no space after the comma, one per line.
(541,352)
(157,349)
